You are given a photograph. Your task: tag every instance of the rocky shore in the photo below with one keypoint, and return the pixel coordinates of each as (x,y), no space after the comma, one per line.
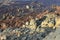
(28,24)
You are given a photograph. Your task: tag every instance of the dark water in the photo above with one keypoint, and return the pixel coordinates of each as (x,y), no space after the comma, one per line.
(21,3)
(50,2)
(46,2)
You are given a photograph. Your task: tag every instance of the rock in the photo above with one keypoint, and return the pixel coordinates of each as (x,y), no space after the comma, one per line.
(57,19)
(53,35)
(3,37)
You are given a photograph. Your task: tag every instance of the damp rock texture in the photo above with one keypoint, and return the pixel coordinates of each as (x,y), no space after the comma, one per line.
(29,23)
(53,35)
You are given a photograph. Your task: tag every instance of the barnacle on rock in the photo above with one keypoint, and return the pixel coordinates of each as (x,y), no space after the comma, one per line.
(49,21)
(32,24)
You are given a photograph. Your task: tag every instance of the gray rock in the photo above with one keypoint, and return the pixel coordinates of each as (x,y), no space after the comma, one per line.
(53,35)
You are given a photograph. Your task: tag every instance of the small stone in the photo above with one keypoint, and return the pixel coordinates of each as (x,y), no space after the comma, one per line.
(4,26)
(27,6)
(23,26)
(54,27)
(3,37)
(27,23)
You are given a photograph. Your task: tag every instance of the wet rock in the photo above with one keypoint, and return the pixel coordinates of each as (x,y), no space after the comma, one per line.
(53,35)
